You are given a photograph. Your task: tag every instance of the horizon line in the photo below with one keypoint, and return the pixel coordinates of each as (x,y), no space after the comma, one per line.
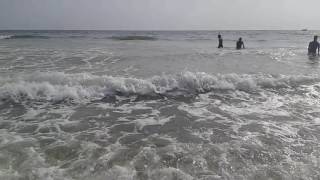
(158,29)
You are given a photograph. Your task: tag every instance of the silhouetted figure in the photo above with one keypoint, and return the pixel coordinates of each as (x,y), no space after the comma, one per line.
(220,41)
(240,44)
(313,46)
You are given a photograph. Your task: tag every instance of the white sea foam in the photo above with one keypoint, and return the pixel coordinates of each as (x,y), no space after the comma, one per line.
(83,86)
(5,36)
(151,121)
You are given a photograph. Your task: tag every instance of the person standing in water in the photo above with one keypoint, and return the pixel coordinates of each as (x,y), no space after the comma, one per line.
(313,46)
(220,41)
(240,44)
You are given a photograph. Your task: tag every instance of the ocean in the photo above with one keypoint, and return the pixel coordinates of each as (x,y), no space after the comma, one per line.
(158,105)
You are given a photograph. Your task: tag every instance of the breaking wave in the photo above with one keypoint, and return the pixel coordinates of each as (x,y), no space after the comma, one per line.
(55,86)
(5,36)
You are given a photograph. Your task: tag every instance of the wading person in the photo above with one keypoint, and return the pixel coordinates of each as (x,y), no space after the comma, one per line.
(313,47)
(240,44)
(220,41)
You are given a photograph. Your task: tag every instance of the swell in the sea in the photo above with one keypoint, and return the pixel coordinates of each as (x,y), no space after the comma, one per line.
(56,86)
(134,37)
(119,38)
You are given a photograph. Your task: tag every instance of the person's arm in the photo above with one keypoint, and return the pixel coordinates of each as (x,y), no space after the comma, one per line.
(243,45)
(318,49)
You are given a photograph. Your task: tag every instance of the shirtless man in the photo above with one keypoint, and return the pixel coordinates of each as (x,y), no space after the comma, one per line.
(313,46)
(240,44)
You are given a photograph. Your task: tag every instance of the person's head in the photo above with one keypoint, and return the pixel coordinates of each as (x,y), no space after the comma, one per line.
(219,36)
(240,39)
(315,38)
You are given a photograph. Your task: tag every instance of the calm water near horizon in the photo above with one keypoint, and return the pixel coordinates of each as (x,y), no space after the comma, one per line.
(140,105)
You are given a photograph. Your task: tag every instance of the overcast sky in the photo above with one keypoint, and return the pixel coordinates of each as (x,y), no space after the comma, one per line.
(159,14)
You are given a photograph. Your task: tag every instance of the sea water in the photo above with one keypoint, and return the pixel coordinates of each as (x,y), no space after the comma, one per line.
(140,105)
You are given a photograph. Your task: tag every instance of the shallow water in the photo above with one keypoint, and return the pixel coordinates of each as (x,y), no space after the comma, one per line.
(158,105)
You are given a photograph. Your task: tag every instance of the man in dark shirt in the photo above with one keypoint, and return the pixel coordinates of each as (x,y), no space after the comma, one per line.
(313,46)
(220,41)
(240,44)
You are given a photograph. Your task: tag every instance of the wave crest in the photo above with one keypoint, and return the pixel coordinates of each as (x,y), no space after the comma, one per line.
(55,86)
(26,36)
